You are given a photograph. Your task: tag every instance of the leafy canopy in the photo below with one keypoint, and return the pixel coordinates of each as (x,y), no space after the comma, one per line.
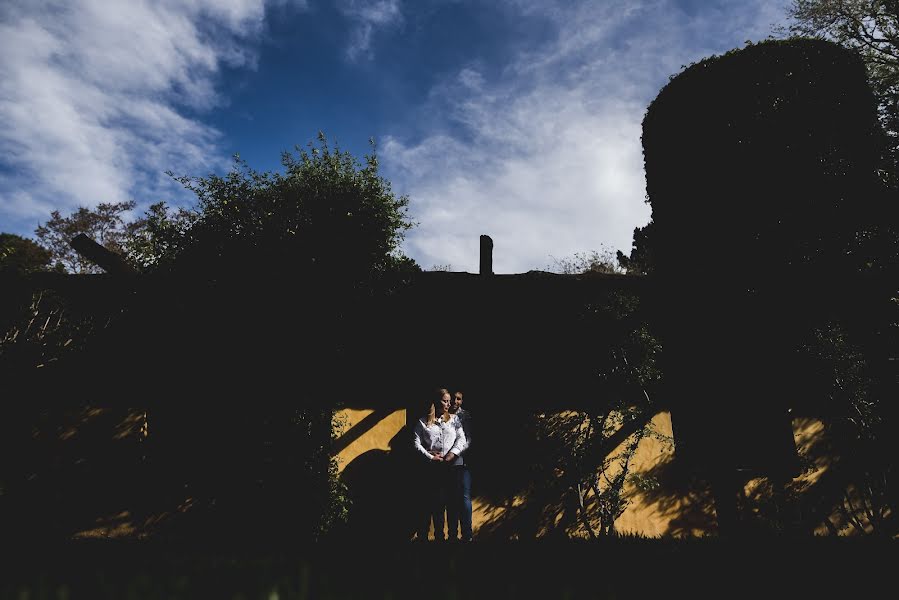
(106,225)
(22,255)
(870,27)
(327,214)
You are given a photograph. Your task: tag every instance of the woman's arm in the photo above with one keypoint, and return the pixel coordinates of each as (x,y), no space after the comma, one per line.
(418,435)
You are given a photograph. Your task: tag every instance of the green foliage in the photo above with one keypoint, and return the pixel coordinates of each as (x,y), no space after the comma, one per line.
(858,431)
(590,450)
(765,162)
(587,457)
(263,297)
(48,329)
(106,224)
(871,28)
(22,255)
(296,264)
(587,262)
(162,235)
(756,154)
(327,213)
(40,326)
(641,260)
(338,499)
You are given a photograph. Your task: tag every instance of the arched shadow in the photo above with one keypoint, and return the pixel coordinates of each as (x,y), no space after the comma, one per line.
(382,492)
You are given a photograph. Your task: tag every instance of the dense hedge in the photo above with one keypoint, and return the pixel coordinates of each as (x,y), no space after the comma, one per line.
(761,169)
(752,158)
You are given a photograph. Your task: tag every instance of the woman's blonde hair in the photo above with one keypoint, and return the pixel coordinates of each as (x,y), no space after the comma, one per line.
(430,413)
(440,394)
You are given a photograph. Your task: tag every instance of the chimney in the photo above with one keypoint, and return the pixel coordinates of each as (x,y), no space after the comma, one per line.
(486,255)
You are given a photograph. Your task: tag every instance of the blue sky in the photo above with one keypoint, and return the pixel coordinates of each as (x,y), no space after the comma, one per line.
(515,118)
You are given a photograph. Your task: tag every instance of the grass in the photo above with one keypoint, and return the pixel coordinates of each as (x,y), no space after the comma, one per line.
(618,568)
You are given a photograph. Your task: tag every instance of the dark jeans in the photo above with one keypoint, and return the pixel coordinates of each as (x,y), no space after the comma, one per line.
(458,508)
(433,500)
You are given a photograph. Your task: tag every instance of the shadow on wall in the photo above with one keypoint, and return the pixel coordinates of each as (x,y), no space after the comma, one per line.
(581,477)
(203,477)
(71,472)
(89,473)
(521,490)
(524,480)
(680,499)
(381,481)
(836,493)
(843,488)
(381,492)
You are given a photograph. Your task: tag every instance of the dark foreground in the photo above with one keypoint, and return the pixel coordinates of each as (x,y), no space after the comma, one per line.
(623,568)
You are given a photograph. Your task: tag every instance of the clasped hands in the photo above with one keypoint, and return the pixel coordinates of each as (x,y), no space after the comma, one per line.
(448,458)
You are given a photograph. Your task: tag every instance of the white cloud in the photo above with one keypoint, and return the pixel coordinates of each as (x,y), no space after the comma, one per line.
(95,97)
(546,157)
(368,15)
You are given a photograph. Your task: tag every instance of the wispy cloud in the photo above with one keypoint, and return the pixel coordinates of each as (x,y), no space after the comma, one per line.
(546,157)
(367,16)
(97,97)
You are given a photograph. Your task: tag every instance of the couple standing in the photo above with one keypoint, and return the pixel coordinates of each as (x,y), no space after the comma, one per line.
(441,437)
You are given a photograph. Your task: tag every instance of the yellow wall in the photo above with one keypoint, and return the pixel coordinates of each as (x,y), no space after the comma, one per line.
(373,443)
(376,438)
(640,517)
(674,508)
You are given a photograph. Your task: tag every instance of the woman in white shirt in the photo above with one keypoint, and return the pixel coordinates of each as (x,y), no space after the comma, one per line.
(438,440)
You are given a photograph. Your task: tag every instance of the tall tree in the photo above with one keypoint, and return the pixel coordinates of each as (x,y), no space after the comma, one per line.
(586,471)
(106,224)
(871,27)
(266,299)
(159,236)
(270,292)
(764,163)
(21,254)
(640,261)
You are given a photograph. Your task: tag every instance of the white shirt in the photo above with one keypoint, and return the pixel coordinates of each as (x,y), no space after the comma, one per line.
(441,437)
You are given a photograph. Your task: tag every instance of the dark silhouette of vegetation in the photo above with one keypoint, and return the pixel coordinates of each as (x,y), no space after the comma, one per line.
(764,163)
(282,296)
(578,448)
(871,28)
(21,255)
(235,341)
(279,272)
(106,224)
(682,568)
(640,261)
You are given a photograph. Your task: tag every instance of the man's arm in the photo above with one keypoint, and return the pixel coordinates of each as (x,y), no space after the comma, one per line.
(460,444)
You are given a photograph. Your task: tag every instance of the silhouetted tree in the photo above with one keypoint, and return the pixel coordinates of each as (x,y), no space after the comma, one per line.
(587,262)
(640,261)
(279,277)
(870,27)
(106,224)
(264,303)
(587,451)
(159,236)
(764,162)
(22,255)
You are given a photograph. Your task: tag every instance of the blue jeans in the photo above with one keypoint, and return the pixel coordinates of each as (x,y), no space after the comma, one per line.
(459,504)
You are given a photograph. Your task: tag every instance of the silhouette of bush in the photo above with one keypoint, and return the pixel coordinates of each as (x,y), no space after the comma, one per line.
(761,169)
(761,163)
